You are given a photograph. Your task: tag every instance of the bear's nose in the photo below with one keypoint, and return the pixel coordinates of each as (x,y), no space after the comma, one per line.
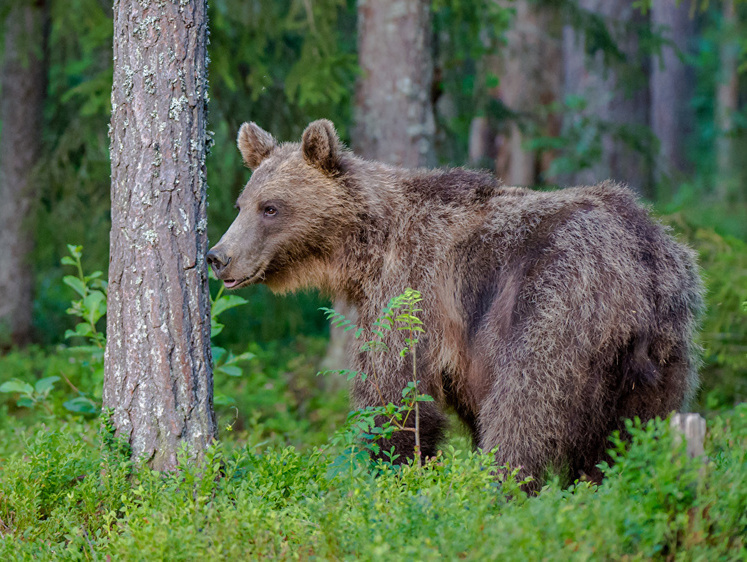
(218,260)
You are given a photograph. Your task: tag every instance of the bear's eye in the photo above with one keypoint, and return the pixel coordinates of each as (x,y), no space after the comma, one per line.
(270,211)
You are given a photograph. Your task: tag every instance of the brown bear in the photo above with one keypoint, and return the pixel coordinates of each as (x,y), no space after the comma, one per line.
(550,316)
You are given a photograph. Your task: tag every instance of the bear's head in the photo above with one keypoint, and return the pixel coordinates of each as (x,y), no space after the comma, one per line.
(290,212)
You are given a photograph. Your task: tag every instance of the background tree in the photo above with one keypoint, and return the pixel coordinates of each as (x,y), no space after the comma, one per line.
(23,80)
(605,74)
(530,73)
(727,98)
(671,84)
(158,382)
(394,119)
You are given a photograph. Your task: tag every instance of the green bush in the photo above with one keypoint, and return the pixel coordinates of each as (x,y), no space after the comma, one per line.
(723,260)
(63,495)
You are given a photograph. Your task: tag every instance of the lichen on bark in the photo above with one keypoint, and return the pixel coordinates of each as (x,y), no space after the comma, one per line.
(158,382)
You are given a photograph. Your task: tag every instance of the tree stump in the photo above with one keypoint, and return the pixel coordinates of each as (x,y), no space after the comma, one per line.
(693,427)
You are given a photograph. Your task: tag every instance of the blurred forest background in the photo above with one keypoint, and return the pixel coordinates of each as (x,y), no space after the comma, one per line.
(545,93)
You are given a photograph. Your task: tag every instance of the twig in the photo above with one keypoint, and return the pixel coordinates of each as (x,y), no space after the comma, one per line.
(67,380)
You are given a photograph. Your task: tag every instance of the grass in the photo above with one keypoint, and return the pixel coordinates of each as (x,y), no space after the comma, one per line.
(64,494)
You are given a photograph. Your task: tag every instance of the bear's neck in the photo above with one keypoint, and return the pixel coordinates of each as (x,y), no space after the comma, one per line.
(375,259)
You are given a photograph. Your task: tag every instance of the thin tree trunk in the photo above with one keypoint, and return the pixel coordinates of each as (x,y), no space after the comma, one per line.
(158,382)
(530,77)
(672,83)
(23,81)
(394,111)
(727,100)
(609,100)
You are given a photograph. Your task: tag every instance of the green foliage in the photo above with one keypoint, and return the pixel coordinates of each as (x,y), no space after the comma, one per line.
(580,145)
(224,361)
(30,396)
(723,260)
(92,305)
(368,428)
(466,34)
(64,496)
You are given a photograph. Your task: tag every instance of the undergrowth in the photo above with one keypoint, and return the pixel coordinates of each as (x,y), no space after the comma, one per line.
(64,495)
(274,486)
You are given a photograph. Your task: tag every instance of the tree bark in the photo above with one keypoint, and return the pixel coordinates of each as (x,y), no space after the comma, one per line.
(394,119)
(394,111)
(608,100)
(158,384)
(672,83)
(530,77)
(23,81)
(727,102)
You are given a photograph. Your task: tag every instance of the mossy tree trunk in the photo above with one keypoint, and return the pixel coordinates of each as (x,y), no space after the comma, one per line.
(23,81)
(158,382)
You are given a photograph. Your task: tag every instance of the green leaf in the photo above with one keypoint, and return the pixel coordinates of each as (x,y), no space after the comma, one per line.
(93,303)
(76,284)
(75,251)
(43,386)
(246,356)
(225,303)
(223,400)
(67,260)
(81,405)
(83,329)
(230,370)
(16,386)
(218,354)
(25,402)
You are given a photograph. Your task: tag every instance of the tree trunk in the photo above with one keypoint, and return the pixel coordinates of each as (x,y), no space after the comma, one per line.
(394,111)
(609,100)
(158,381)
(672,83)
(23,83)
(530,77)
(394,119)
(727,102)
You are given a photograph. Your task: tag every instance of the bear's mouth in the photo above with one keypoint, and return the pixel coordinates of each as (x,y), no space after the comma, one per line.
(254,277)
(232,283)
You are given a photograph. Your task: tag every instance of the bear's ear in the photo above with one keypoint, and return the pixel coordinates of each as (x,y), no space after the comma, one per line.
(321,146)
(255,144)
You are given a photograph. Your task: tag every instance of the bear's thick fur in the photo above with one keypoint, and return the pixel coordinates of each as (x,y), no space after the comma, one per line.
(550,316)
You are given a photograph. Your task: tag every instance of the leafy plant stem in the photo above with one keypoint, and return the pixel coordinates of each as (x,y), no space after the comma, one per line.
(67,380)
(417,408)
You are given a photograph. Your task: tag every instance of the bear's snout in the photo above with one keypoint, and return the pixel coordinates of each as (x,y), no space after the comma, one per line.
(218,260)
